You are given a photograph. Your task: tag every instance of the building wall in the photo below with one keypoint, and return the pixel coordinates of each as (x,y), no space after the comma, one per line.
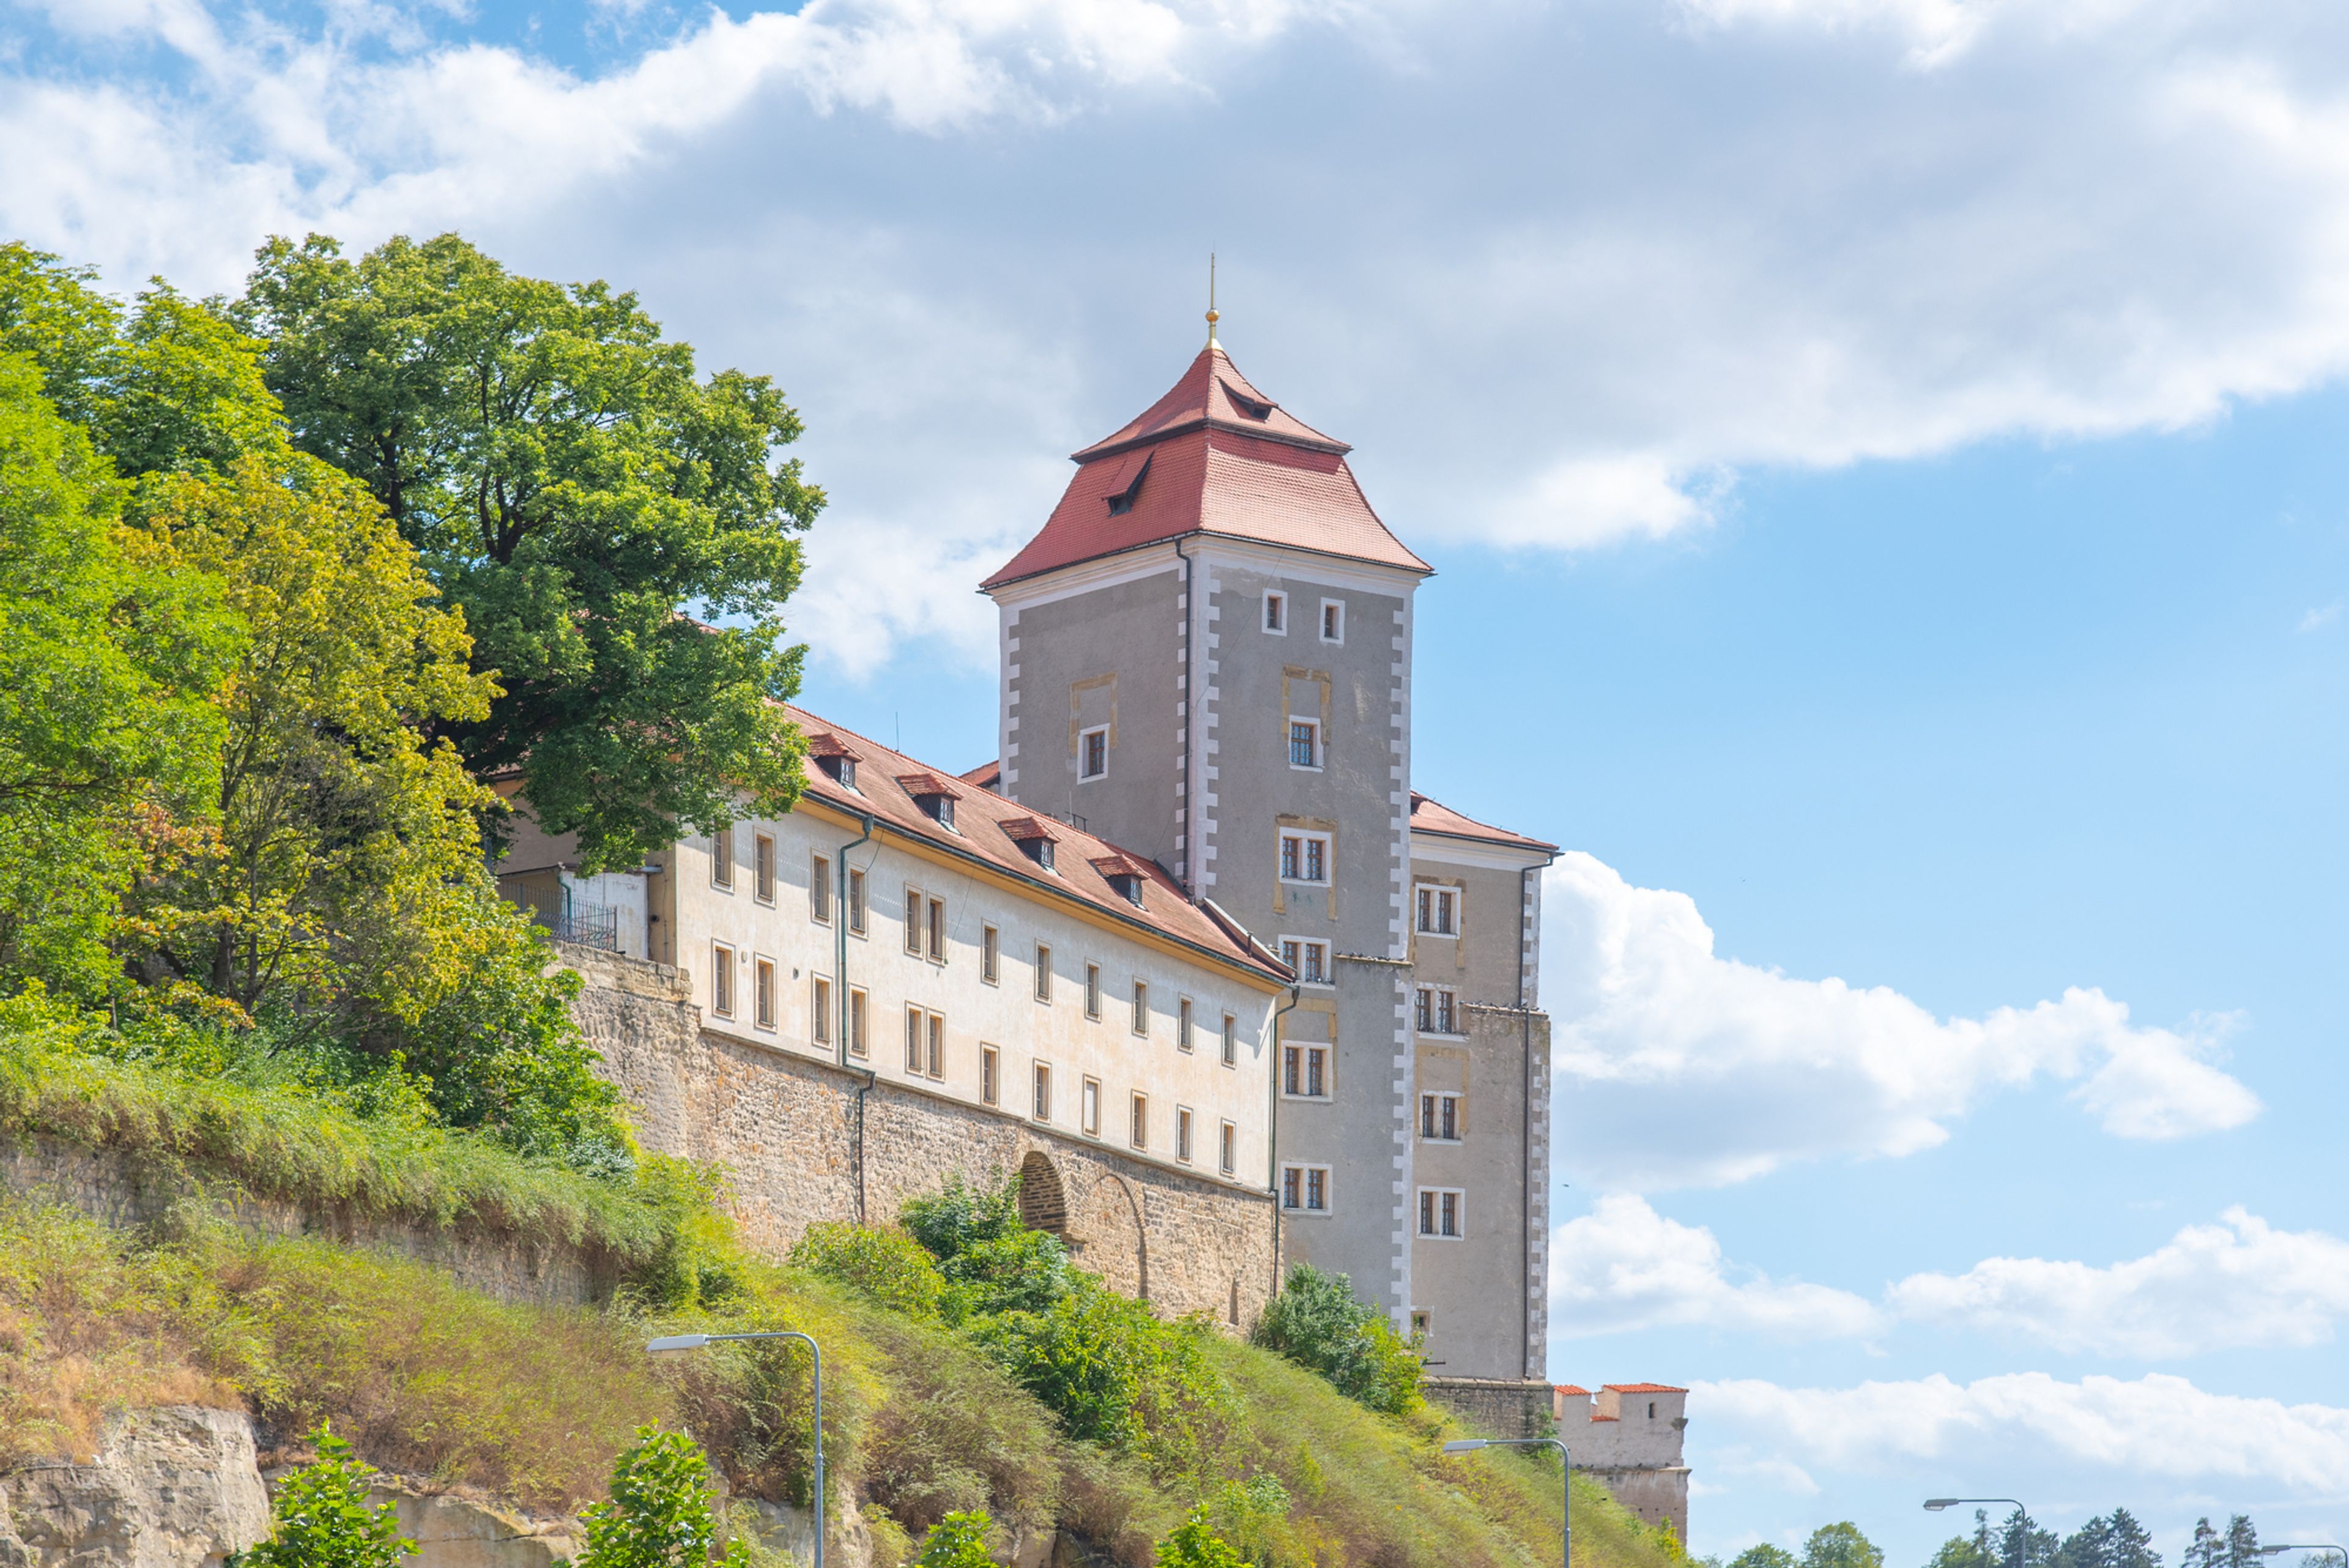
(805,1140)
(1208,785)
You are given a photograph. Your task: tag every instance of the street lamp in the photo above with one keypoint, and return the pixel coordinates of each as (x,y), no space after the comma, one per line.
(2308,1546)
(1566,1464)
(679,1344)
(1935,1504)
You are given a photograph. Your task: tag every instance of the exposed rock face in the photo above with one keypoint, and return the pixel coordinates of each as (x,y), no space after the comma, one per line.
(454,1531)
(171,1488)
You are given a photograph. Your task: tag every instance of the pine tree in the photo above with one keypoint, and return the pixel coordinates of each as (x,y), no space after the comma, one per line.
(2130,1544)
(2242,1545)
(2204,1551)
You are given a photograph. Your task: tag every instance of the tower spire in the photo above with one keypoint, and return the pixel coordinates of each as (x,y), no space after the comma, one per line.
(1212,318)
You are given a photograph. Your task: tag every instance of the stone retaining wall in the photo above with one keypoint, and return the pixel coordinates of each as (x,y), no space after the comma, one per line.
(786,1124)
(128,1190)
(1497,1407)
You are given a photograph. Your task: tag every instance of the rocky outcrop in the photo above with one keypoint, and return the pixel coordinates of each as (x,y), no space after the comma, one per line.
(452,1531)
(171,1488)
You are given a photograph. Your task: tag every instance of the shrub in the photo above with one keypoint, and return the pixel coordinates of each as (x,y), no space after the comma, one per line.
(322,1519)
(659,1515)
(958,1541)
(1193,1545)
(990,1261)
(962,1216)
(886,1266)
(1318,1322)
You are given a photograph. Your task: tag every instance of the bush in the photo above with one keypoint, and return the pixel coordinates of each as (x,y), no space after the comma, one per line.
(659,1515)
(1318,1322)
(884,1266)
(1193,1545)
(322,1519)
(958,1541)
(990,1261)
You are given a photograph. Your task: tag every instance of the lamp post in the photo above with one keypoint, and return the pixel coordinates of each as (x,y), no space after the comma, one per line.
(1566,1465)
(679,1344)
(1936,1504)
(2308,1546)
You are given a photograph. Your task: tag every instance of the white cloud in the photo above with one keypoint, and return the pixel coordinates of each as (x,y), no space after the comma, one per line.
(2154,1426)
(2316,620)
(2241,1282)
(1623,1265)
(1677,1065)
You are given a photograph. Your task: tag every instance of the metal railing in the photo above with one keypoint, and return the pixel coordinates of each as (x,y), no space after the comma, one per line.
(589,925)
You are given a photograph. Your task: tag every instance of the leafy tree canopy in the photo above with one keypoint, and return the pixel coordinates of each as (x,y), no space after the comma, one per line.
(659,1515)
(1318,1322)
(958,1541)
(1840,1545)
(1762,1555)
(574,486)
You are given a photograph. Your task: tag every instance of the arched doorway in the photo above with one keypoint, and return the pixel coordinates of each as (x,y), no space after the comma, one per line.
(1043,1202)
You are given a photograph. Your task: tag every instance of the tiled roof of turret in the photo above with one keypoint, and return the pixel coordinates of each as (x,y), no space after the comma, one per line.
(1433,816)
(1213,456)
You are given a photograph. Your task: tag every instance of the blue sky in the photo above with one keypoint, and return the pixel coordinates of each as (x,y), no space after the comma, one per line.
(1882,460)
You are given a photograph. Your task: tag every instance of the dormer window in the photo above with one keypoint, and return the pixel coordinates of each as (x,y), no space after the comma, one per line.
(1034,839)
(1124,878)
(1121,501)
(1249,408)
(934,795)
(832,754)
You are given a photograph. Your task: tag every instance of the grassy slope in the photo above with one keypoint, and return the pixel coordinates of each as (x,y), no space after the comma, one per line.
(533,1403)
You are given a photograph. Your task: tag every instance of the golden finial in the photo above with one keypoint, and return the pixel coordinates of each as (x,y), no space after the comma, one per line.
(1212,316)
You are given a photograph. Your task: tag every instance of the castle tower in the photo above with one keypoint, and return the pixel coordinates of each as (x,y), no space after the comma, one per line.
(1207,658)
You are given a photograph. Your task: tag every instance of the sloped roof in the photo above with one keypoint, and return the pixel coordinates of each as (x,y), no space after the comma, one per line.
(1213,456)
(1433,816)
(1642,1389)
(888,780)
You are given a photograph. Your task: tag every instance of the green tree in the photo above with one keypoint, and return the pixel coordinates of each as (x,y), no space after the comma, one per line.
(1762,1555)
(1191,1544)
(2206,1549)
(990,1261)
(1318,1322)
(1840,1545)
(659,1514)
(2112,1541)
(107,668)
(2242,1545)
(574,486)
(884,1266)
(957,1541)
(321,1518)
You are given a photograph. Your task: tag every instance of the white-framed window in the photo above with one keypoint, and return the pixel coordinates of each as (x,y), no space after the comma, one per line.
(1441,1212)
(1439,1118)
(1276,612)
(913,921)
(1308,956)
(820,888)
(1305,1189)
(1182,1023)
(1093,990)
(762,992)
(721,980)
(1141,1008)
(990,953)
(1093,753)
(990,1083)
(763,867)
(1140,1128)
(925,1042)
(1043,971)
(1333,621)
(1183,1134)
(1305,744)
(1439,911)
(1231,1041)
(1304,856)
(721,859)
(1227,1149)
(1438,1010)
(1305,1072)
(820,1007)
(856,1020)
(1041,1106)
(938,930)
(1088,1107)
(856,902)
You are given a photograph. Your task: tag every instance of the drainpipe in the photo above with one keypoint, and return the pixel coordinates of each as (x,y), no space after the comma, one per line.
(1190,720)
(1272,1132)
(840,979)
(1525,1144)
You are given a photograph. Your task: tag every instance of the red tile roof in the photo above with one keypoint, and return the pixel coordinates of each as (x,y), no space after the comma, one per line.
(1213,456)
(1571,1389)
(983,818)
(987,775)
(1642,1389)
(1433,816)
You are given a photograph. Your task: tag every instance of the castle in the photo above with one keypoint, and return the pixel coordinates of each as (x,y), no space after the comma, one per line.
(1190,952)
